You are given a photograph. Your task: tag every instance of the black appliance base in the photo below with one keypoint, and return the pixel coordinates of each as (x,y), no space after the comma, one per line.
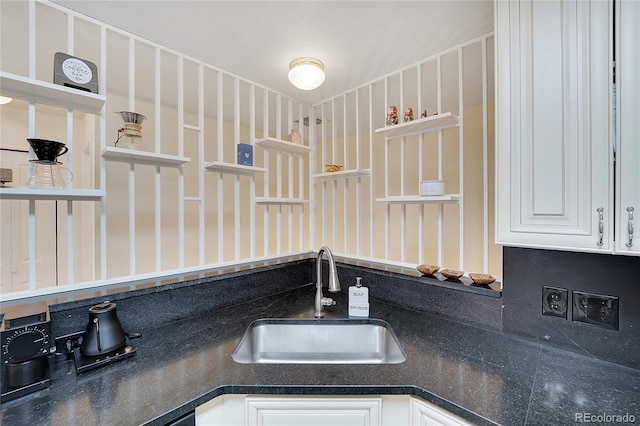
(87,363)
(13,393)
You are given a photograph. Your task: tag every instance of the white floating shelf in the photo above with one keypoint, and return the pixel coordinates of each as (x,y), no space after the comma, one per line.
(219,166)
(281,201)
(135,156)
(19,87)
(417,199)
(344,174)
(281,145)
(26,193)
(423,125)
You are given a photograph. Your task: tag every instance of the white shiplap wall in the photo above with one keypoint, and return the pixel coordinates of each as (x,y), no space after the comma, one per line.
(372,210)
(189,209)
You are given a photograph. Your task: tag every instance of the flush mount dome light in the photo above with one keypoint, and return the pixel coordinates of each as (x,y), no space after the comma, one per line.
(306,73)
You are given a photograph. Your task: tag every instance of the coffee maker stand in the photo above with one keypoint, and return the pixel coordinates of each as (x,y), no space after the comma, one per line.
(86,363)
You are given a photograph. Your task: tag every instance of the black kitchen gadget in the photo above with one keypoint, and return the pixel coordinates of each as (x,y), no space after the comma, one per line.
(104,340)
(26,347)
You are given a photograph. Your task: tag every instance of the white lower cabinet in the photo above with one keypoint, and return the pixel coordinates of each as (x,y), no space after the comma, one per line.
(316,411)
(385,410)
(424,413)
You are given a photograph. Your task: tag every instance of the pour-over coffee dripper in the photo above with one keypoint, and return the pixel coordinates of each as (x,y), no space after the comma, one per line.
(130,136)
(47,150)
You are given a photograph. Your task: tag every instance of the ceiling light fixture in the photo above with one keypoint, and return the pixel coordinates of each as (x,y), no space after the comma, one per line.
(5,100)
(306,73)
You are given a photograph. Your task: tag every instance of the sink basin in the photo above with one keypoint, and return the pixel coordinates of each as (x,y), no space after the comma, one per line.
(319,341)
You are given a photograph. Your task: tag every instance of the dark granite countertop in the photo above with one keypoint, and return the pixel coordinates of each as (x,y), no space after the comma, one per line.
(482,375)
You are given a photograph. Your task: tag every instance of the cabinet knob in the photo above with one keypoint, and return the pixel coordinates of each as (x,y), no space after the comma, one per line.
(630,227)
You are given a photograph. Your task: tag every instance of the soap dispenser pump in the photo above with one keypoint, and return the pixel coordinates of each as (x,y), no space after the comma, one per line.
(358,300)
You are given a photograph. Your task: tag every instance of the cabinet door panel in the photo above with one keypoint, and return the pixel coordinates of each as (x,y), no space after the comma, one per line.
(274,411)
(553,79)
(628,125)
(424,413)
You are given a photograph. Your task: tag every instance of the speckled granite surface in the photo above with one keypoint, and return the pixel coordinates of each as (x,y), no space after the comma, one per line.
(480,374)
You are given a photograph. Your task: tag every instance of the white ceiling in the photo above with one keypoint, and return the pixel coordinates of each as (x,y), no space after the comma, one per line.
(358,41)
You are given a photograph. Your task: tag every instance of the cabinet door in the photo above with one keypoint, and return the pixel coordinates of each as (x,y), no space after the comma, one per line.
(426,414)
(554,157)
(274,411)
(628,127)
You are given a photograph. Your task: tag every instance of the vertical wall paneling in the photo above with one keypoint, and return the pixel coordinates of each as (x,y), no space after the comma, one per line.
(220,183)
(420,167)
(372,178)
(69,216)
(157,108)
(252,186)
(440,161)
(290,179)
(132,174)
(70,246)
(412,229)
(32,133)
(278,175)
(301,215)
(323,198)
(334,183)
(296,211)
(32,39)
(265,126)
(311,183)
(200,166)
(236,186)
(485,160)
(345,182)
(461,158)
(386,178)
(102,76)
(358,167)
(403,207)
(32,245)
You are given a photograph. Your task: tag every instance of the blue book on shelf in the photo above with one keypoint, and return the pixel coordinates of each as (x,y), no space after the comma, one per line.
(245,154)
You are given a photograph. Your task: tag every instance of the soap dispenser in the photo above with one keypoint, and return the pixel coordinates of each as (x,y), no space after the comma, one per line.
(358,300)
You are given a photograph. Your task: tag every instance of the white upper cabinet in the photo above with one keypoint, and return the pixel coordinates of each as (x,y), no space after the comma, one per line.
(554,124)
(628,127)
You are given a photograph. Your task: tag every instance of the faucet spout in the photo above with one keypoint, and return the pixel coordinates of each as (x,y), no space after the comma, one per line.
(334,283)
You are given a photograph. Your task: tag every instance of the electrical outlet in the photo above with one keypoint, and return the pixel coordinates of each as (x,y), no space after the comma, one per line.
(67,343)
(554,301)
(596,309)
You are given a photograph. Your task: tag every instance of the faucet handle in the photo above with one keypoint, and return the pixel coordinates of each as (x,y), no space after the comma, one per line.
(327,301)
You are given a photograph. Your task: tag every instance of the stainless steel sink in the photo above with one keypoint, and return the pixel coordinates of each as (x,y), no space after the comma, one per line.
(319,341)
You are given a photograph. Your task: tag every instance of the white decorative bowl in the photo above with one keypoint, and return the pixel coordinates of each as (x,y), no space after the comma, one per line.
(431,187)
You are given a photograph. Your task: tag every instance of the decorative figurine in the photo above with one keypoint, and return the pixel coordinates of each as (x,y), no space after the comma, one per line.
(423,114)
(408,114)
(392,115)
(294,136)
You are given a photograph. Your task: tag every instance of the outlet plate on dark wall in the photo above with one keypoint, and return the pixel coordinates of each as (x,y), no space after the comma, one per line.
(526,271)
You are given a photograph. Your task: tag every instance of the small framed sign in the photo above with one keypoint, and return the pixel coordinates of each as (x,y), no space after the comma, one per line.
(75,72)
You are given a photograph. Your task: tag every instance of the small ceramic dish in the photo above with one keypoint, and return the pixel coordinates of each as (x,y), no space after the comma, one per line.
(451,273)
(428,269)
(483,279)
(332,168)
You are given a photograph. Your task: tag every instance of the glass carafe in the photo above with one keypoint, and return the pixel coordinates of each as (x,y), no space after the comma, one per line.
(49,175)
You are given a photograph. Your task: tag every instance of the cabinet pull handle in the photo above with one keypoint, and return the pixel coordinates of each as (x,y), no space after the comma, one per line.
(630,226)
(600,226)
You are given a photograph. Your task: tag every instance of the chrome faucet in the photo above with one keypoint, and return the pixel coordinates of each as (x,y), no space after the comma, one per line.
(334,284)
